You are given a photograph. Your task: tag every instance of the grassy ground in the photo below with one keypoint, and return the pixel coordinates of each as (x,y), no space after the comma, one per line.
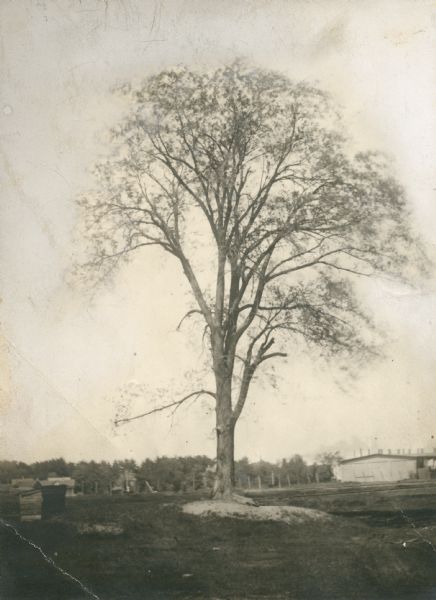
(165,554)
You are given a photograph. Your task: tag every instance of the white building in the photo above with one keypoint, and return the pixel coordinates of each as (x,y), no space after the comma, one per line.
(381,467)
(69,482)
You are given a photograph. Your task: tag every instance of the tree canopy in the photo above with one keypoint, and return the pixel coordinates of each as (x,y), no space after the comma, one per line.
(251,170)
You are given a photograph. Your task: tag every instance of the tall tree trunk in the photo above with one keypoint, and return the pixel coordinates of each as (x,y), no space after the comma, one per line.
(225,437)
(225,466)
(225,422)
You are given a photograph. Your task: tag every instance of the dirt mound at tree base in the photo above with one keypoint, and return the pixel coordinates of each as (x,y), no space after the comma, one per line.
(286,514)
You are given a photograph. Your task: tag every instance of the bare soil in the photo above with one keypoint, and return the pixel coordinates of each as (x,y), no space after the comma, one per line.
(284,514)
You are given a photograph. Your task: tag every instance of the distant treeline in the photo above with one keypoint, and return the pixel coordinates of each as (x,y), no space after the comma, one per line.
(171,474)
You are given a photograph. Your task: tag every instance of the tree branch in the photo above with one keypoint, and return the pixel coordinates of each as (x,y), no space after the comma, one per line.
(187,315)
(177,403)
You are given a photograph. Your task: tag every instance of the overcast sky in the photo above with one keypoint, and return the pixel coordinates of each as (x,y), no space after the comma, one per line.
(63,358)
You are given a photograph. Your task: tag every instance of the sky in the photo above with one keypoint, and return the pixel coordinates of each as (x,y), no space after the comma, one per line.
(64,356)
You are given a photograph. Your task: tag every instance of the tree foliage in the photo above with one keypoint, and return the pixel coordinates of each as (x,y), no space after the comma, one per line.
(249,172)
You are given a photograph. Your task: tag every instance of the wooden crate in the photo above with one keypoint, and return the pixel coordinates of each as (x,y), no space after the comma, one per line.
(31,505)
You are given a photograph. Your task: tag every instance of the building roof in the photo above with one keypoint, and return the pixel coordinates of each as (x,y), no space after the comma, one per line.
(23,482)
(68,481)
(385,455)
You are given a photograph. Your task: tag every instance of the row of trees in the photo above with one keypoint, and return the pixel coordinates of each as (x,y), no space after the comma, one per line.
(286,472)
(11,469)
(174,474)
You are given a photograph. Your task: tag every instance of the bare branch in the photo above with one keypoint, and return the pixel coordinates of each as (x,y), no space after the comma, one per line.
(177,403)
(272,355)
(187,315)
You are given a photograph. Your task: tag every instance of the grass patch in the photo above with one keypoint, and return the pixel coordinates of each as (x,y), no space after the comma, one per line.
(164,553)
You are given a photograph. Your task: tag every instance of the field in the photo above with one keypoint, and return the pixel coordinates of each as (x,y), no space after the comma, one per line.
(379,543)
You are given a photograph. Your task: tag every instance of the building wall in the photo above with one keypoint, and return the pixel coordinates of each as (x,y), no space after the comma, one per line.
(378,468)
